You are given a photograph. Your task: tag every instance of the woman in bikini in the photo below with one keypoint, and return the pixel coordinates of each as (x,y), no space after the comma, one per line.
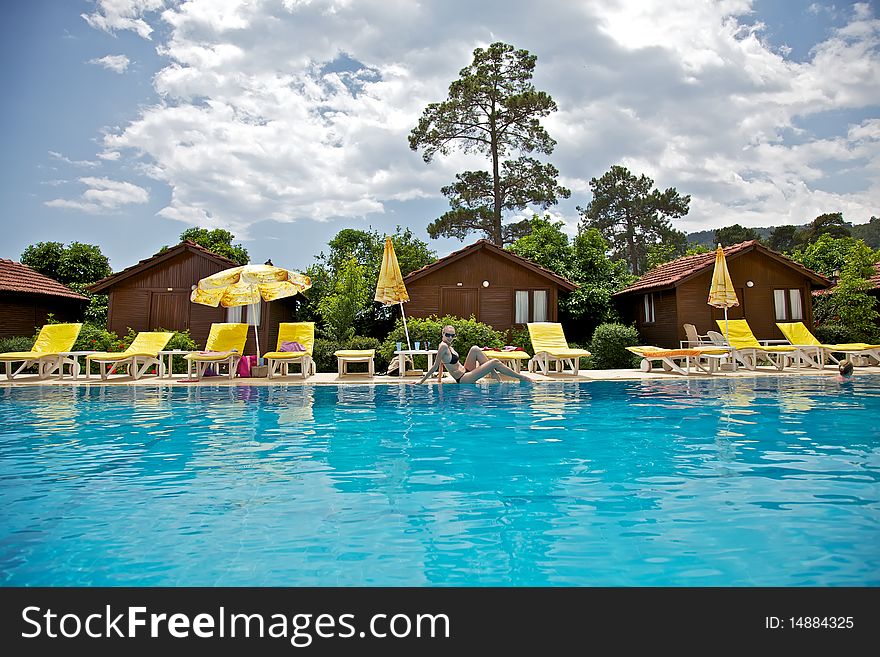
(475,366)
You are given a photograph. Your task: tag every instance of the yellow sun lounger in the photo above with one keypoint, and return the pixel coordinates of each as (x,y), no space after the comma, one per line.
(513,359)
(747,349)
(346,356)
(815,353)
(550,345)
(302,332)
(141,354)
(224,346)
(671,359)
(53,341)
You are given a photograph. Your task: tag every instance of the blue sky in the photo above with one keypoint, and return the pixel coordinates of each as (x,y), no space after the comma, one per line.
(128,121)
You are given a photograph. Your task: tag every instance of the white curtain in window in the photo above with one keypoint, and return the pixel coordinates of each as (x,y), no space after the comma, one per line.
(540,310)
(522,307)
(254,313)
(649,309)
(233,315)
(779,304)
(797,306)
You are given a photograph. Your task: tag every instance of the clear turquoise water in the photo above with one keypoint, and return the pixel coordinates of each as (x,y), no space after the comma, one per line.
(721,482)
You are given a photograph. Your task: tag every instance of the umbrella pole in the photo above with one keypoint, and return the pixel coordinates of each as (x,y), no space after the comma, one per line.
(726,327)
(256,332)
(405,329)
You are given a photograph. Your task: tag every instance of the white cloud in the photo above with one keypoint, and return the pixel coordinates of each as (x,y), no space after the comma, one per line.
(113,15)
(301,110)
(115,63)
(104,195)
(77,163)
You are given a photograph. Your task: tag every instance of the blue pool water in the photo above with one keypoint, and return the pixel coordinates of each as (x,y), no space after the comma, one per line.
(721,482)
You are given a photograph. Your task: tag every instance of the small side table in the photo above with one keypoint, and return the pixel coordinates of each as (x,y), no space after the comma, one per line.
(72,358)
(166,371)
(404,353)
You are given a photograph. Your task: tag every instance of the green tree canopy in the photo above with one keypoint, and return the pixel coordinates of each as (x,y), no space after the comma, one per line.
(349,297)
(493,109)
(76,263)
(829,256)
(584,262)
(673,245)
(366,247)
(869,233)
(218,241)
(826,224)
(785,238)
(631,215)
(735,234)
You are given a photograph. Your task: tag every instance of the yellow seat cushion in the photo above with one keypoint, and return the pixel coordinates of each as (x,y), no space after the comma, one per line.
(506,355)
(285,355)
(223,355)
(355,353)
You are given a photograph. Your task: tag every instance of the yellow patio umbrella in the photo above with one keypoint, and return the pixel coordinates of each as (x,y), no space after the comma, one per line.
(246,285)
(721,292)
(390,288)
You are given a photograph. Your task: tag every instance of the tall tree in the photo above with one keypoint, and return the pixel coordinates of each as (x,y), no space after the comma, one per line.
(219,241)
(869,233)
(673,244)
(631,215)
(493,109)
(784,238)
(77,265)
(735,234)
(826,224)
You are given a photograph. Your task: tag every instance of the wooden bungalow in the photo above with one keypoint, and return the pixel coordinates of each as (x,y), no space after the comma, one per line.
(27,298)
(155,293)
(770,287)
(497,287)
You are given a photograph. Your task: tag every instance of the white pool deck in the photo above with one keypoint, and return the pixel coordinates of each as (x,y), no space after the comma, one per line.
(326,378)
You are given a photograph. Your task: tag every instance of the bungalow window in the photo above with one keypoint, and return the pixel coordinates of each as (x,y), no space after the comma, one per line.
(540,309)
(233,315)
(237,314)
(788,304)
(649,309)
(521,315)
(530,306)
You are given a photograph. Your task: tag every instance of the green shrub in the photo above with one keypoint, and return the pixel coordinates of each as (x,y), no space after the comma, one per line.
(17,343)
(95,337)
(519,337)
(833,333)
(609,347)
(427,332)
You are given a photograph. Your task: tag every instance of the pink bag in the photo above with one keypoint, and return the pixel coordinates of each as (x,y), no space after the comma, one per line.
(245,364)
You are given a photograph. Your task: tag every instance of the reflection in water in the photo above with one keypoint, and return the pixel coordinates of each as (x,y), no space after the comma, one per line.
(719,482)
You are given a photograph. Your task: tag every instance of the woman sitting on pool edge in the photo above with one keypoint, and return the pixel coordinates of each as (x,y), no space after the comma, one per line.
(475,366)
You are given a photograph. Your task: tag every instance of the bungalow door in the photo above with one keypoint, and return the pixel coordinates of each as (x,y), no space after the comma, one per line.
(169,310)
(458,302)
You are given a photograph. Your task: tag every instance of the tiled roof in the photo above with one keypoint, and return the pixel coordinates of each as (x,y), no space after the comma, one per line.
(186,245)
(486,244)
(16,277)
(673,273)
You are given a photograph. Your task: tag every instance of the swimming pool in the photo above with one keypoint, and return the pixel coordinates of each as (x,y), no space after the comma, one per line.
(724,482)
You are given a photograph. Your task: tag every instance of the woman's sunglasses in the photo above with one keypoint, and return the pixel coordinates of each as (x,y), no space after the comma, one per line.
(449,335)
